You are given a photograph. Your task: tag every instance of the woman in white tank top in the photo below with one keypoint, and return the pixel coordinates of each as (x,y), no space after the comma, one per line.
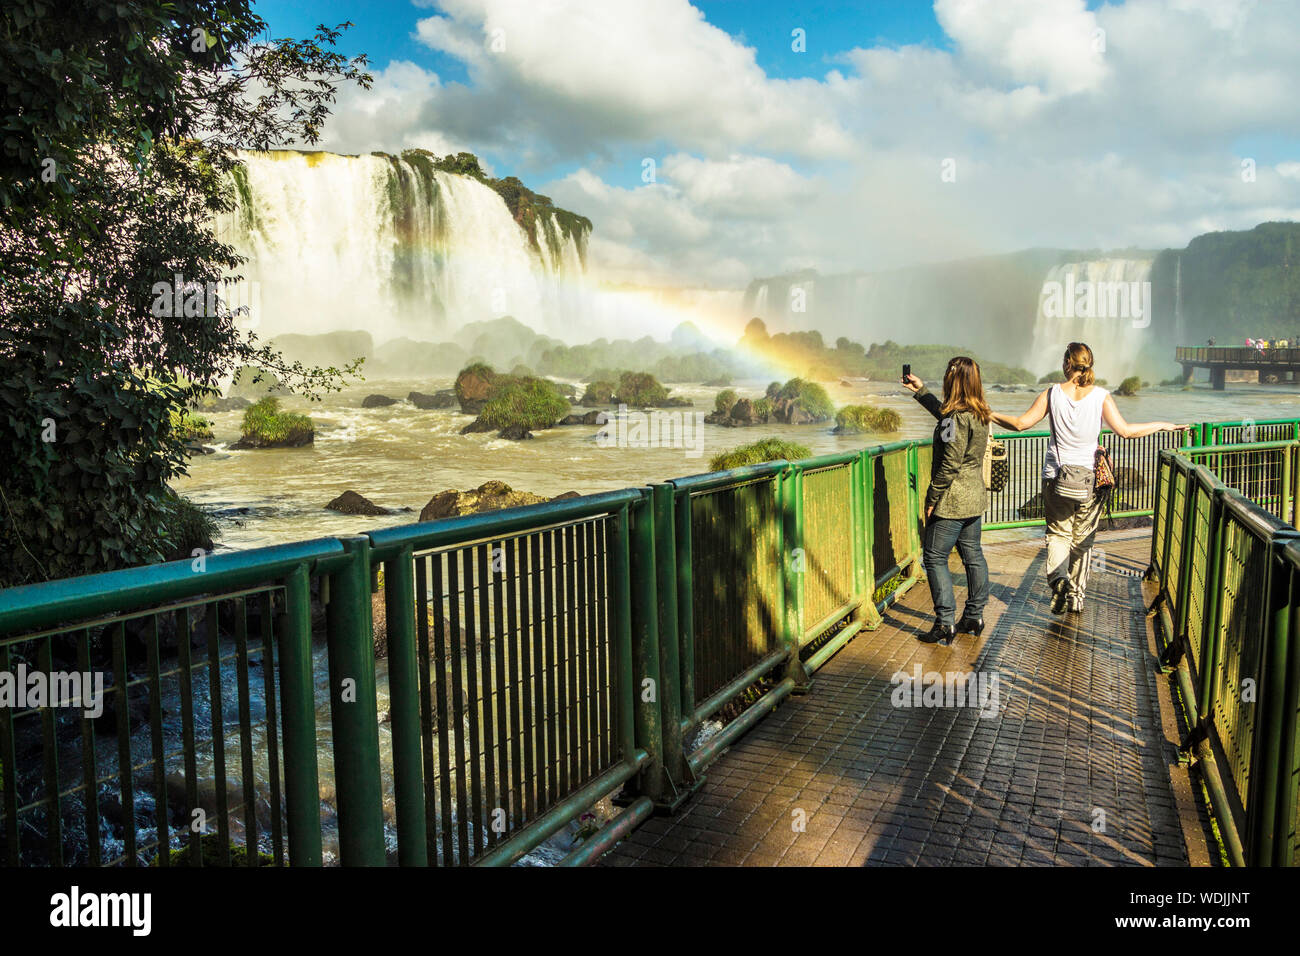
(1076,409)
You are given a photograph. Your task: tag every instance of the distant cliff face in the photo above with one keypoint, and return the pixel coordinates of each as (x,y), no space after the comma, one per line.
(1023,308)
(402,245)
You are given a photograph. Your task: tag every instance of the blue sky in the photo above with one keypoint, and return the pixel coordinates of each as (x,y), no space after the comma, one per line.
(383,29)
(1069,124)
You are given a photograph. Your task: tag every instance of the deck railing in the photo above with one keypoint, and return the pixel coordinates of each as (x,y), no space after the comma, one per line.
(456,692)
(1226,559)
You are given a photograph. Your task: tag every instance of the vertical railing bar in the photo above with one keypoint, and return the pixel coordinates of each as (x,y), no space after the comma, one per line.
(446,737)
(587,657)
(503,691)
(456,637)
(125,777)
(538,638)
(569,682)
(272,727)
(218,732)
(480,679)
(156,740)
(427,719)
(50,741)
(89,770)
(186,666)
(512,640)
(7,760)
(528,729)
(246,732)
(554,698)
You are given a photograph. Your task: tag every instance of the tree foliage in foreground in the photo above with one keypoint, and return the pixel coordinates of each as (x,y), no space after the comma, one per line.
(119,125)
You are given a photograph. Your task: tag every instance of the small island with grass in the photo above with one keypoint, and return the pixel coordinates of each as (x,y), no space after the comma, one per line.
(865,420)
(766,449)
(265,426)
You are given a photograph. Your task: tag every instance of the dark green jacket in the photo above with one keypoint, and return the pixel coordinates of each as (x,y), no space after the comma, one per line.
(957,470)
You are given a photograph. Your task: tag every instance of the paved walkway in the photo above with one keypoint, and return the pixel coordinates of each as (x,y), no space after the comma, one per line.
(1078,768)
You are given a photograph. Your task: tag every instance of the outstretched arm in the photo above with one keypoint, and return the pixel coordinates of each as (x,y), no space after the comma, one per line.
(1029,419)
(1115,422)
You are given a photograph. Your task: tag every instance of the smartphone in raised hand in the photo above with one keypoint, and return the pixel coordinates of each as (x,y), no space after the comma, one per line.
(907,370)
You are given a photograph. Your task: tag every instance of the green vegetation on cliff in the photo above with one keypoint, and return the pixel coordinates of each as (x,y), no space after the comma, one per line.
(528,208)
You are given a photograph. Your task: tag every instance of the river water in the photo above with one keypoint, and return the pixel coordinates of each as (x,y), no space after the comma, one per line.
(400,456)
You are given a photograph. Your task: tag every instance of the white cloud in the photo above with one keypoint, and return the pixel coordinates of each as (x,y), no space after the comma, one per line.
(1056,142)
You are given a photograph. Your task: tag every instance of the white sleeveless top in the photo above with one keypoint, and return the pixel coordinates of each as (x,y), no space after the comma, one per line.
(1077,425)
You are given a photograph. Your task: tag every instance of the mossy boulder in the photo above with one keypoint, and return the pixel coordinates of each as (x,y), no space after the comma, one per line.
(474,387)
(351,503)
(489,496)
(265,426)
(863,419)
(441,399)
(723,401)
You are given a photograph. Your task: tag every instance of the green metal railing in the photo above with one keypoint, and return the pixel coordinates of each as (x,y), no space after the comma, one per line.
(1229,578)
(456,692)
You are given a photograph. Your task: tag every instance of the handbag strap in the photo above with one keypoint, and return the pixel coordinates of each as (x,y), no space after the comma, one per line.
(1051,425)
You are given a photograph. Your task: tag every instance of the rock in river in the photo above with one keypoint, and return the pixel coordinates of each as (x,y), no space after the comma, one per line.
(351,503)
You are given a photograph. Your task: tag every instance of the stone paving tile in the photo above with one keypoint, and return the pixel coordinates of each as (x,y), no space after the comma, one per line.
(1072,769)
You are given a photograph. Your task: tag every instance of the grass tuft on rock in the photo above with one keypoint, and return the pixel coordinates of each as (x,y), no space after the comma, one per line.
(528,403)
(1129,387)
(767,449)
(265,424)
(863,419)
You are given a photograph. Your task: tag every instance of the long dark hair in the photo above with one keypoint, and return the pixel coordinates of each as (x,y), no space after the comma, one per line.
(963,389)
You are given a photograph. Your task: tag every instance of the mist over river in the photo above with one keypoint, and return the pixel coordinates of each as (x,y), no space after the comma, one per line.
(400,456)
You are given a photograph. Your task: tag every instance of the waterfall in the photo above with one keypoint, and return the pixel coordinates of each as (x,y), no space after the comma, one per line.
(393,246)
(1103,302)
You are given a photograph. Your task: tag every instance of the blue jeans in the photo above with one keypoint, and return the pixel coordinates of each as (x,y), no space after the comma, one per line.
(941,536)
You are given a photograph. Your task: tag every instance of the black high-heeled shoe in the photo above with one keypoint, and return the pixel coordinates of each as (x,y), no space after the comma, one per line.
(971,625)
(939,634)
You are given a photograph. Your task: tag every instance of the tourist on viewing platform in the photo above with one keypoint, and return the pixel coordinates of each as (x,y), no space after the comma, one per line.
(1075,410)
(1211,341)
(954,504)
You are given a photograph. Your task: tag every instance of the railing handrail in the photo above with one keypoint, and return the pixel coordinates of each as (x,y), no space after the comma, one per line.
(46,603)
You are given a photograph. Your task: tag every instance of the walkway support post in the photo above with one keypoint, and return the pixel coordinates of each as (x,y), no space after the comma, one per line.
(404,705)
(353,708)
(648,685)
(298,720)
(670,665)
(793,562)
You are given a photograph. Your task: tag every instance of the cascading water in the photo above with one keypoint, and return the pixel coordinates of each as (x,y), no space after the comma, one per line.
(1103,302)
(378,243)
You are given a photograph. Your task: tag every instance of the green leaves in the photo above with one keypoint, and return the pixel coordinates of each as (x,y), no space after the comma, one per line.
(113,95)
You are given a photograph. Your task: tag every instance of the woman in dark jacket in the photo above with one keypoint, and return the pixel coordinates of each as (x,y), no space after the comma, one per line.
(954,504)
